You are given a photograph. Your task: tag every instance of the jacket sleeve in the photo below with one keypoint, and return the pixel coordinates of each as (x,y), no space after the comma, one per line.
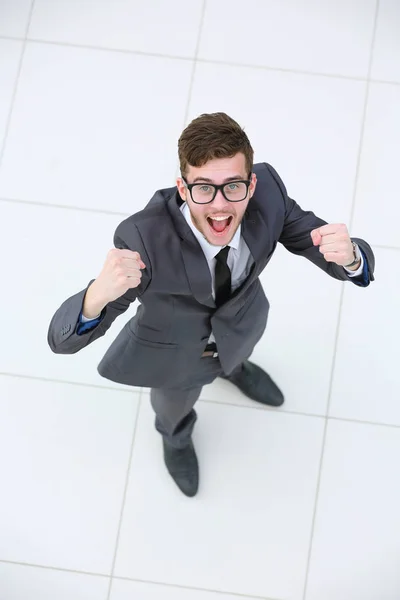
(296,237)
(62,334)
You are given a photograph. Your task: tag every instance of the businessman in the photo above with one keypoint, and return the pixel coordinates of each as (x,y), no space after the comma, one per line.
(192,257)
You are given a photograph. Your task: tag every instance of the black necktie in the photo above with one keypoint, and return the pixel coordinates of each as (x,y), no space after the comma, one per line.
(222,277)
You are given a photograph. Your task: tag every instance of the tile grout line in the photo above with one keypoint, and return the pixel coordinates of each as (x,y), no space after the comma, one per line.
(113,213)
(14,94)
(12,38)
(364,118)
(128,473)
(51,568)
(256,406)
(193,73)
(119,388)
(135,580)
(340,311)
(207,590)
(300,414)
(127,51)
(200,60)
(353,205)
(384,81)
(98,211)
(210,61)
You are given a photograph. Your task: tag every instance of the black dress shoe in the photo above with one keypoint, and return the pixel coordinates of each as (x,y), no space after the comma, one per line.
(257,385)
(183,467)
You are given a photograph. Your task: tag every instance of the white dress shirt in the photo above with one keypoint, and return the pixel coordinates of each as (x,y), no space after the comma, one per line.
(239,257)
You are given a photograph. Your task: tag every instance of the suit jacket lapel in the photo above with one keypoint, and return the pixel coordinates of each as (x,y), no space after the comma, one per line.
(253,230)
(196,266)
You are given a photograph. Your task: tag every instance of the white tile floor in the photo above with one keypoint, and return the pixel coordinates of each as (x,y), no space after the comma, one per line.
(304,506)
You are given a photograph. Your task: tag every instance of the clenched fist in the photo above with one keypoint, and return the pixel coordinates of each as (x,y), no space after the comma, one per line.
(121,272)
(334,243)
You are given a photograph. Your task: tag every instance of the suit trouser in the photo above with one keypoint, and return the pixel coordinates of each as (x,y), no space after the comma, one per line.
(175,415)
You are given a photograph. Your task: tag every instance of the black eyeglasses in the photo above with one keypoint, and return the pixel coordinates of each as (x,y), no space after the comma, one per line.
(204,193)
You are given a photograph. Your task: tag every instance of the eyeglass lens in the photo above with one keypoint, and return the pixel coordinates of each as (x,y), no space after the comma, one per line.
(234,191)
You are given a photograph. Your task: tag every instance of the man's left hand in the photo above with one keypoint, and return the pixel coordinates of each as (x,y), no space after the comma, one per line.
(334,243)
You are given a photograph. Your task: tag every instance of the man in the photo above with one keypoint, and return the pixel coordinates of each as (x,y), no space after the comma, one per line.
(192,257)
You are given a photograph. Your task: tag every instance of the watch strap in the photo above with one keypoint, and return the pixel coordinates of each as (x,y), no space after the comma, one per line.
(357,255)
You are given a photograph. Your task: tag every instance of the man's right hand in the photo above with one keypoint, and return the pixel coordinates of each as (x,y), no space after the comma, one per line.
(121,272)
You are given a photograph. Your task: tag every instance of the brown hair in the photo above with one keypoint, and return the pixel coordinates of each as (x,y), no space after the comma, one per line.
(210,136)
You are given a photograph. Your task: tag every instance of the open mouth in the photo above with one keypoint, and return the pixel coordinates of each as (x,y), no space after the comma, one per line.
(219,226)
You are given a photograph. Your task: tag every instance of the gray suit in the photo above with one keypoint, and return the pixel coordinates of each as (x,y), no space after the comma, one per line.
(161,346)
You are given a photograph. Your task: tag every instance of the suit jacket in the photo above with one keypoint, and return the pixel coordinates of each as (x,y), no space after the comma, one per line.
(168,334)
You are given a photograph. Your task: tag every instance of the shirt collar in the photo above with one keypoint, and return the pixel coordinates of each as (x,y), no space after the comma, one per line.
(210,251)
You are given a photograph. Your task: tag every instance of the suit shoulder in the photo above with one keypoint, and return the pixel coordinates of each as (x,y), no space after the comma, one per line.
(154,212)
(265,171)
(270,188)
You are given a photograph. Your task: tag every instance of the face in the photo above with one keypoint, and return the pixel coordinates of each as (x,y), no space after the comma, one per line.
(204,216)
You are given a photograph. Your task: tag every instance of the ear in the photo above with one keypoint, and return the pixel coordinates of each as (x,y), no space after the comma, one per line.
(181,188)
(253,184)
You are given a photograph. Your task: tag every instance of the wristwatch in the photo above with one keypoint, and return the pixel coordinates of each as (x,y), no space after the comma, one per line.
(357,255)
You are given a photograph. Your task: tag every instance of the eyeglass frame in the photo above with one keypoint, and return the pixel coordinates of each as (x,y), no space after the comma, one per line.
(216,187)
